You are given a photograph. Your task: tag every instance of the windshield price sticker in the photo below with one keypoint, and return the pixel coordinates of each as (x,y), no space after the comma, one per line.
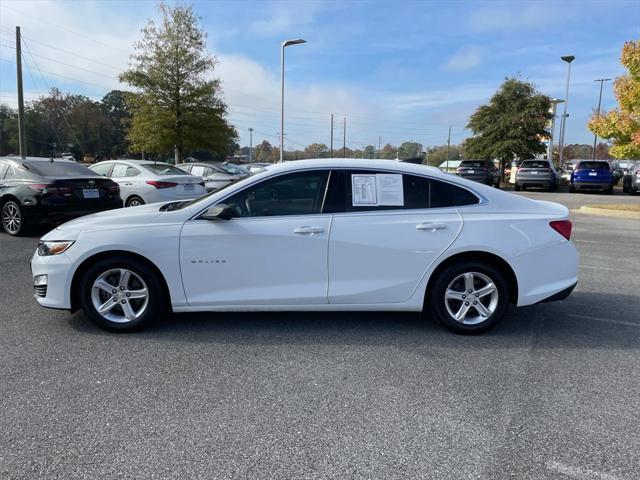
(381,189)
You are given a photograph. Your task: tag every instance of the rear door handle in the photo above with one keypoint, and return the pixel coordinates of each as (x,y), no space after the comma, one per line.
(431,226)
(308,230)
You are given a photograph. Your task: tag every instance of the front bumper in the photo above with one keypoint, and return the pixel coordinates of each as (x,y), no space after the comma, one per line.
(57,268)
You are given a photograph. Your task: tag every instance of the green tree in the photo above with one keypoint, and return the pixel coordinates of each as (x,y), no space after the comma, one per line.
(369,151)
(437,155)
(262,152)
(622,125)
(511,126)
(409,150)
(388,151)
(116,107)
(316,150)
(178,105)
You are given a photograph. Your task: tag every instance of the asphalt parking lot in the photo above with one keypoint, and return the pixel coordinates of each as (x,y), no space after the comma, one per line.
(552,392)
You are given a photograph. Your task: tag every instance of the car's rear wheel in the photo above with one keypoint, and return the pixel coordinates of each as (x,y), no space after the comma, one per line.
(134,202)
(609,190)
(572,189)
(13,220)
(121,294)
(469,297)
(516,187)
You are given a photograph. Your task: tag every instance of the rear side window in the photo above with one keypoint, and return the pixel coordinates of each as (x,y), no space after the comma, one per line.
(447,195)
(535,164)
(120,170)
(3,169)
(59,169)
(593,165)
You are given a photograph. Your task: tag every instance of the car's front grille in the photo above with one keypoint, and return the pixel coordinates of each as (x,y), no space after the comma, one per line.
(41,290)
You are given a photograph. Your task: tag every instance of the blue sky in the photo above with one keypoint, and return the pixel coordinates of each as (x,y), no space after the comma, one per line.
(402,70)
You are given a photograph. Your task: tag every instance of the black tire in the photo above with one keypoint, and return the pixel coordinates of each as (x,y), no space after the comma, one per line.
(609,190)
(156,302)
(436,305)
(497,185)
(625,189)
(516,187)
(572,189)
(633,191)
(134,201)
(13,221)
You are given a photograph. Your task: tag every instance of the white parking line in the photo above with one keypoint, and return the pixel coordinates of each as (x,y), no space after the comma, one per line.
(605,320)
(578,472)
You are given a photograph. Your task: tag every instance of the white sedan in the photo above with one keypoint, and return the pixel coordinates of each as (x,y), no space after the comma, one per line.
(316,235)
(144,181)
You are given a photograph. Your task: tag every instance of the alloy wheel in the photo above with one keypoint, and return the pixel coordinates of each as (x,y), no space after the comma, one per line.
(11,218)
(471,298)
(120,295)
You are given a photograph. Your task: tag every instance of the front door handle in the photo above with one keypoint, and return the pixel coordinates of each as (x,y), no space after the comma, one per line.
(308,230)
(431,226)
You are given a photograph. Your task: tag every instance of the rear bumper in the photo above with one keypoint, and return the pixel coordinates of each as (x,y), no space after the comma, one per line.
(43,213)
(597,185)
(478,178)
(535,181)
(561,295)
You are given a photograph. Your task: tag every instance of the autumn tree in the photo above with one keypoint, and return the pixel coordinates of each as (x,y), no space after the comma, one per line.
(621,125)
(513,125)
(178,105)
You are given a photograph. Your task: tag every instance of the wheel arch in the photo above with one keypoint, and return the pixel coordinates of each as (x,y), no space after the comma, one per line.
(477,255)
(87,262)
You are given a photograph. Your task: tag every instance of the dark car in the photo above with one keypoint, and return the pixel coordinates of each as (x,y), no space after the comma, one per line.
(482,171)
(592,175)
(631,181)
(40,190)
(536,173)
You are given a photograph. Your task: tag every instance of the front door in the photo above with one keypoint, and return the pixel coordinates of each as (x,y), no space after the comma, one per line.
(274,252)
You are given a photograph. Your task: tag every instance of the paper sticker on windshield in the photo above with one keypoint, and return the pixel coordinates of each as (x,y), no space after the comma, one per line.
(363,190)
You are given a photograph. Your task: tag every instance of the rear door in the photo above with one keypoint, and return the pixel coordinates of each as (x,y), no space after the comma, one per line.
(379,252)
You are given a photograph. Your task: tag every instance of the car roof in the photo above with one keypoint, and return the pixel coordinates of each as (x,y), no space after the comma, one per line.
(392,165)
(19,159)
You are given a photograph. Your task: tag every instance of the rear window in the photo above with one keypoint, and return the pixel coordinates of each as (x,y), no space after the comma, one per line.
(593,165)
(534,164)
(469,164)
(164,169)
(59,169)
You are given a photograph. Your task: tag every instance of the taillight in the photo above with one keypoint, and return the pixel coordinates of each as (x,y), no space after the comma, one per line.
(113,188)
(38,187)
(563,227)
(162,184)
(638,173)
(460,170)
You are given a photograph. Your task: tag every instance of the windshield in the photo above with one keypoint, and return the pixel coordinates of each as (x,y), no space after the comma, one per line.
(164,169)
(233,169)
(594,165)
(534,164)
(59,169)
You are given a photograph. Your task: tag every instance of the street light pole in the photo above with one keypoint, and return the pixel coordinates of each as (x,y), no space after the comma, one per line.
(595,136)
(286,43)
(554,109)
(250,145)
(563,122)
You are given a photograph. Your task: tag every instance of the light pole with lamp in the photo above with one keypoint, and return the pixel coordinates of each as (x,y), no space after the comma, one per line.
(552,133)
(250,145)
(563,122)
(595,136)
(286,43)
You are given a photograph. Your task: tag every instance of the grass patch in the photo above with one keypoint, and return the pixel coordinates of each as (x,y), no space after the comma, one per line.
(631,207)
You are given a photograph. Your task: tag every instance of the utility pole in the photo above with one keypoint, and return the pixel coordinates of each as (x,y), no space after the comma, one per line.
(250,145)
(344,138)
(595,136)
(448,146)
(331,147)
(21,132)
(379,142)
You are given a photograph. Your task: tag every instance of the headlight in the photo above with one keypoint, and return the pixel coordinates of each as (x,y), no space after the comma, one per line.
(55,247)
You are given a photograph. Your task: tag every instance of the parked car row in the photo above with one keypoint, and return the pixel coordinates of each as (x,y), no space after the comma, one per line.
(36,190)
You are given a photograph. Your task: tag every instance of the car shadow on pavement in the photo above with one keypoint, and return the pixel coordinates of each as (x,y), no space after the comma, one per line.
(574,323)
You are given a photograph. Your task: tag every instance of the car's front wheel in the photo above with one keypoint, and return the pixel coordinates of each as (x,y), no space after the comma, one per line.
(13,220)
(468,297)
(121,294)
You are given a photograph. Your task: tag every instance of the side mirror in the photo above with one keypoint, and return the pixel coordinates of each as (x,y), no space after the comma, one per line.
(218,212)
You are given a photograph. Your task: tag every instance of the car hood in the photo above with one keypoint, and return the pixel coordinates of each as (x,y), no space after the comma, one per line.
(109,220)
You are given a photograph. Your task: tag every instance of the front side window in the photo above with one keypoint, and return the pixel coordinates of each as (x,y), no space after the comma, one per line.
(3,169)
(300,193)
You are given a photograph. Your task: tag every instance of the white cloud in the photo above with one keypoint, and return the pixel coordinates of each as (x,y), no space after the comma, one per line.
(465,59)
(286,17)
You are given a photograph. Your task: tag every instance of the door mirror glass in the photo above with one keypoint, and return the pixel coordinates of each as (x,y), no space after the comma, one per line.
(218,212)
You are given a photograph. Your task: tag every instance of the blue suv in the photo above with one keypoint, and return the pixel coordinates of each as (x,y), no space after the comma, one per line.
(592,175)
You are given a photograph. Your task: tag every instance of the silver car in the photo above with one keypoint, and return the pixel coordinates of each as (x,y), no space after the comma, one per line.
(536,173)
(631,181)
(215,175)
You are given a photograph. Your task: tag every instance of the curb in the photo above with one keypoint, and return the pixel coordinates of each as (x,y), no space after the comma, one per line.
(605,212)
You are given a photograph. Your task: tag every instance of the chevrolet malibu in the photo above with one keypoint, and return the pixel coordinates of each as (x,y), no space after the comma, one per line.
(315,235)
